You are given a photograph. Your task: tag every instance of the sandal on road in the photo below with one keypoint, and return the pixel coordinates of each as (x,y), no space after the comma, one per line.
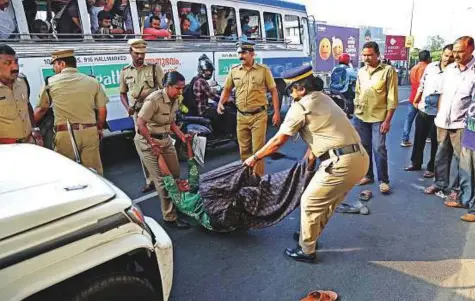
(428,174)
(365,181)
(321,296)
(384,188)
(366,195)
(431,190)
(452,197)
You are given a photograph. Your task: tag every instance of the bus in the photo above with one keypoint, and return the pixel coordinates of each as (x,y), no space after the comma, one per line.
(281,30)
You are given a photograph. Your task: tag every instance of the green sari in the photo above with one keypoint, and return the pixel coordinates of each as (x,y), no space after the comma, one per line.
(189,203)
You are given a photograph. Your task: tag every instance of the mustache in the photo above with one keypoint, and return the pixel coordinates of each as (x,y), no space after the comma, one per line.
(14,72)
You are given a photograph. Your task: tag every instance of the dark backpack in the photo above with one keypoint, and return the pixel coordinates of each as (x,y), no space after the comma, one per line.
(189,99)
(338,78)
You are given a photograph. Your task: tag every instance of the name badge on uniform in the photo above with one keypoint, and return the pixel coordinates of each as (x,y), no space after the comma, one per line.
(236,78)
(2,97)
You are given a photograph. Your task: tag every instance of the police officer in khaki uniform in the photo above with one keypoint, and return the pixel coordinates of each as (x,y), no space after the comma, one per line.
(331,138)
(16,113)
(139,79)
(74,97)
(251,80)
(156,120)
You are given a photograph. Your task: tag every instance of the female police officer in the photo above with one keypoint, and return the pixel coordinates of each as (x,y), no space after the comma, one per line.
(331,138)
(156,120)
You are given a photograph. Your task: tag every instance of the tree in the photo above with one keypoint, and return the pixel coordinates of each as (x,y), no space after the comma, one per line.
(435,43)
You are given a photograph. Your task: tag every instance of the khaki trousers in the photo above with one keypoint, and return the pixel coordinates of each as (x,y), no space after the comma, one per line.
(151,163)
(251,135)
(328,188)
(146,174)
(87,141)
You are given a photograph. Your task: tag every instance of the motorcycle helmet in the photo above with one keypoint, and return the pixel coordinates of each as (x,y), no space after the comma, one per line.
(205,67)
(344,59)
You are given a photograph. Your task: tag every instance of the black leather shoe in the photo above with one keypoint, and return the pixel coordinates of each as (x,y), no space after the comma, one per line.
(148,187)
(298,255)
(178,224)
(297,238)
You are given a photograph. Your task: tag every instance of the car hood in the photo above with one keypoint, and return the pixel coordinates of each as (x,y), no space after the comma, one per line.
(38,186)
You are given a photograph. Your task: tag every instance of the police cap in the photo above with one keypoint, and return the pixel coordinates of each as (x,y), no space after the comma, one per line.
(138,45)
(245,46)
(60,54)
(296,74)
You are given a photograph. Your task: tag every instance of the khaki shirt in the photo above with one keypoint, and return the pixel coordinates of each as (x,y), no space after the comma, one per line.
(132,79)
(376,93)
(251,86)
(159,111)
(320,122)
(75,96)
(14,114)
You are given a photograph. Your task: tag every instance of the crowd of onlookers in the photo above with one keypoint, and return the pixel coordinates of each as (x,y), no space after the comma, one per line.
(443,107)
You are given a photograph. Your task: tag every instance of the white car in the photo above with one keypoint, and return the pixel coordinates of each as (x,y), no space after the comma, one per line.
(68,234)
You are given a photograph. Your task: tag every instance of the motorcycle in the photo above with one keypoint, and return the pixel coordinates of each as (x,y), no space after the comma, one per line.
(218,131)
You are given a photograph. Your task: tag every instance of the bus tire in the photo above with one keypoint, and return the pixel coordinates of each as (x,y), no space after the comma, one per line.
(117,288)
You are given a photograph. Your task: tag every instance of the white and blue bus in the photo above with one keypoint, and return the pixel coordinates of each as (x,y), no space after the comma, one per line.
(281,30)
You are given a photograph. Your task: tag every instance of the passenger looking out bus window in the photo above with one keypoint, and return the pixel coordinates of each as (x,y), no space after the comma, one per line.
(7,20)
(185,30)
(160,13)
(120,13)
(105,30)
(197,16)
(154,31)
(96,7)
(250,23)
(193,16)
(41,30)
(230,32)
(66,19)
(273,26)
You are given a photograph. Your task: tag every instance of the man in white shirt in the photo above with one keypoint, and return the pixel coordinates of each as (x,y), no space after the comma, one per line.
(458,89)
(426,102)
(7,19)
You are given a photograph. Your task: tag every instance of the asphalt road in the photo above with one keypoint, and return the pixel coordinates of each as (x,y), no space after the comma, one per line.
(409,248)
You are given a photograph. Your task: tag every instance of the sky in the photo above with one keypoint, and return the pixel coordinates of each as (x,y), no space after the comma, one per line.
(449,19)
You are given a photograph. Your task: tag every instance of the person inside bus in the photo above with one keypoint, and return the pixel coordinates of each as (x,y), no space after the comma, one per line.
(230,30)
(120,13)
(67,19)
(154,31)
(247,30)
(7,19)
(157,11)
(94,9)
(105,30)
(194,17)
(185,30)
(271,30)
(41,30)
(31,8)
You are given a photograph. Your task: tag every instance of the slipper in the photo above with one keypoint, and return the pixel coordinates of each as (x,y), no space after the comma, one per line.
(431,190)
(428,174)
(365,181)
(345,208)
(366,195)
(384,188)
(452,197)
(321,296)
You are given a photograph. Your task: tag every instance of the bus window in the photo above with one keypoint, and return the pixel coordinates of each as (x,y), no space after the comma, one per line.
(224,23)
(193,20)
(273,27)
(304,33)
(250,23)
(293,29)
(8,26)
(54,19)
(156,19)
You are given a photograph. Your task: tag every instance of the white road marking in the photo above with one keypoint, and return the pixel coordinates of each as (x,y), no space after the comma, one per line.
(145,197)
(404,100)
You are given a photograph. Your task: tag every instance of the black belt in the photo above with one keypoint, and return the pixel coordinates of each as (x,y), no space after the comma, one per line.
(160,136)
(263,108)
(349,149)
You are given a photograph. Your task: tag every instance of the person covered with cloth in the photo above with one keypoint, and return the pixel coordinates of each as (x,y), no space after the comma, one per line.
(233,197)
(331,138)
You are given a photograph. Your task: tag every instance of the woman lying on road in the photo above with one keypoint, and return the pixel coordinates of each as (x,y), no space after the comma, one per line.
(232,198)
